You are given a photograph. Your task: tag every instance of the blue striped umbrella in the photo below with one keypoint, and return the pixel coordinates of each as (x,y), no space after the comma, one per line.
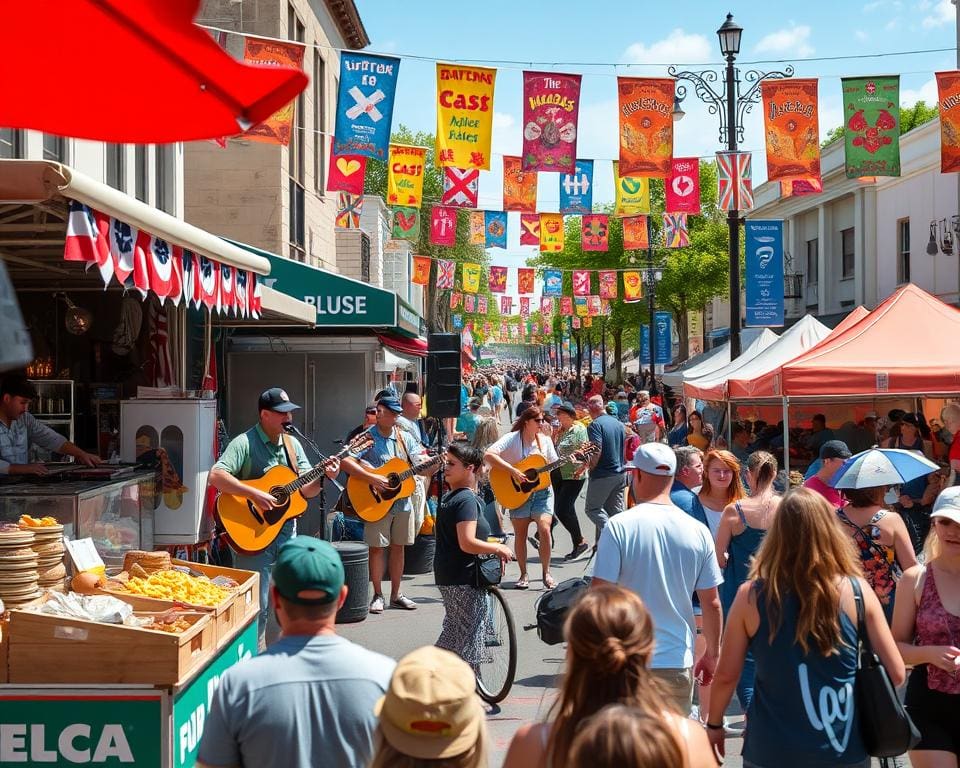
(882,466)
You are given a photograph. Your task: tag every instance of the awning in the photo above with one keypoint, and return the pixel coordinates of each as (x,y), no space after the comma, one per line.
(415,347)
(277,310)
(392,362)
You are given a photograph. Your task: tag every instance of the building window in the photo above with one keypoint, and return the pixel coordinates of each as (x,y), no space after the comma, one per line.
(903,251)
(295,156)
(165,177)
(141,172)
(319,122)
(813,260)
(847,253)
(364,258)
(115,171)
(11,143)
(54,148)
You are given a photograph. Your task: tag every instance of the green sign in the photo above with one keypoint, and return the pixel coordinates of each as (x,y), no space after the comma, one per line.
(69,727)
(192,705)
(871,125)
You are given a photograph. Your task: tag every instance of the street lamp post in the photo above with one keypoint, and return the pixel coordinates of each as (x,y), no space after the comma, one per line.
(650,278)
(730,107)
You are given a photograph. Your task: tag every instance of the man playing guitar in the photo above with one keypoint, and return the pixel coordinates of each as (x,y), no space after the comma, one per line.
(249,456)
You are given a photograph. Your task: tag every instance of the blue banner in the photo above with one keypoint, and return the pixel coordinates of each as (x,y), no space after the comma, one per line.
(552,282)
(495,229)
(576,189)
(663,337)
(764,273)
(365,104)
(644,346)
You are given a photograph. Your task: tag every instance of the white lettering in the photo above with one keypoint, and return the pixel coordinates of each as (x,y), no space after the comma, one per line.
(113,743)
(311,300)
(338,305)
(65,743)
(361,305)
(13,743)
(38,750)
(184,735)
(833,706)
(190,732)
(212,684)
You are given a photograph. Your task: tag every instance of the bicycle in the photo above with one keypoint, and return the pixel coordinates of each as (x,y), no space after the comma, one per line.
(498,666)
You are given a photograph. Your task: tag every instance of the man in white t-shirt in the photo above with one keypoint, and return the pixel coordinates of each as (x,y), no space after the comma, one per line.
(664,555)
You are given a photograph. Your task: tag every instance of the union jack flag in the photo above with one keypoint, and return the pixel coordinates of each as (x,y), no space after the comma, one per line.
(460,187)
(734,181)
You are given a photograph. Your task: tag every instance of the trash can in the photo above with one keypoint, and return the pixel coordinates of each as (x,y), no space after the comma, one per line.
(355,557)
(418,557)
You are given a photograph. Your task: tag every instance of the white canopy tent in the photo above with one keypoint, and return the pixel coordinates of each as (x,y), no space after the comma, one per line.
(710,360)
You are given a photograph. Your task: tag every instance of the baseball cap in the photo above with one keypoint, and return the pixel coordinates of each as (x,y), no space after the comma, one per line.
(308,565)
(566,408)
(431,710)
(835,449)
(17,385)
(948,504)
(391,403)
(276,399)
(382,394)
(655,459)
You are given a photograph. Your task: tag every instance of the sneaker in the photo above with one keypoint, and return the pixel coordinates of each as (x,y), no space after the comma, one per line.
(376,605)
(577,551)
(401,601)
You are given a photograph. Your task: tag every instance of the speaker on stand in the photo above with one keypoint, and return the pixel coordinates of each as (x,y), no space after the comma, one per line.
(443,375)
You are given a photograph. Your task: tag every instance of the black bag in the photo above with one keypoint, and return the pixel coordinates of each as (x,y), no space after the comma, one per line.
(487,571)
(885,726)
(552,608)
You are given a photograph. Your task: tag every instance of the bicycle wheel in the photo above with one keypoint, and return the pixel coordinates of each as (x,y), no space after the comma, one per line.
(499,663)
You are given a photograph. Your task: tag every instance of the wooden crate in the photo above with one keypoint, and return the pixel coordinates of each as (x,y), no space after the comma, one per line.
(237,610)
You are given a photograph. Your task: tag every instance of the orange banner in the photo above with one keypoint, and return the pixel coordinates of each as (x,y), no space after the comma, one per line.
(948,94)
(646,125)
(632,286)
(519,187)
(635,233)
(421,270)
(277,128)
(791,127)
(551,232)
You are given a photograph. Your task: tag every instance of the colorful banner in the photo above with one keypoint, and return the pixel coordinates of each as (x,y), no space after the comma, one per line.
(460,187)
(635,235)
(763,273)
(498,279)
(519,187)
(695,332)
(525,280)
(646,125)
(581,282)
(948,99)
(346,173)
(365,104)
(632,193)
(604,306)
(495,229)
(552,282)
(644,346)
(457,322)
(443,226)
(546,305)
(470,303)
(406,223)
(594,231)
(551,232)
(529,229)
(663,337)
(608,284)
(524,306)
(682,187)
(587,322)
(593,305)
(478,228)
(464,115)
(551,103)
(471,277)
(800,187)
(576,322)
(791,127)
(277,128)
(734,181)
(445,274)
(405,175)
(566,305)
(349,210)
(455,298)
(421,270)
(576,189)
(580,306)
(632,287)
(871,115)
(675,233)
(506,305)
(481,305)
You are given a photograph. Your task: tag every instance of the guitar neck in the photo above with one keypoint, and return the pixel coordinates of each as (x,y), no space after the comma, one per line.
(408,473)
(308,477)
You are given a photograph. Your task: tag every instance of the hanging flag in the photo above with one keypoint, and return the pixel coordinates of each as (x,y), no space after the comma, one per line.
(604,306)
(191,286)
(457,322)
(495,229)
(632,287)
(635,235)
(734,181)
(948,95)
(482,305)
(525,280)
(632,193)
(594,231)
(524,306)
(460,187)
(226,298)
(593,305)
(86,240)
(506,305)
(646,125)
(277,128)
(675,234)
(208,277)
(551,232)
(445,272)
(471,277)
(498,279)
(763,273)
(470,303)
(365,104)
(519,187)
(791,127)
(478,228)
(346,173)
(580,306)
(576,189)
(455,298)
(164,280)
(566,305)
(871,121)
(240,292)
(406,223)
(576,322)
(546,305)
(464,115)
(405,175)
(663,338)
(443,226)
(529,229)
(349,210)
(552,282)
(551,103)
(800,187)
(682,187)
(421,270)
(608,284)
(581,282)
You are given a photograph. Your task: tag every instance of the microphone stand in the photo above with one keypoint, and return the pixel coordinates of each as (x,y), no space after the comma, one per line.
(292,429)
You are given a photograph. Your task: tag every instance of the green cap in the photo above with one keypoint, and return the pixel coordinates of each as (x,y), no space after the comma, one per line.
(308,571)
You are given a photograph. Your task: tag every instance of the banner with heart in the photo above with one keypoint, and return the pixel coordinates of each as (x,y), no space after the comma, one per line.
(346,173)
(682,187)
(406,223)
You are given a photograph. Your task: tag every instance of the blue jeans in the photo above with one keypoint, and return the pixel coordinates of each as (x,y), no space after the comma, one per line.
(262,563)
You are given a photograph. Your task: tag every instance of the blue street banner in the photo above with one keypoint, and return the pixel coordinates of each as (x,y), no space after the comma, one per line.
(764,273)
(552,282)
(365,104)
(576,189)
(644,346)
(663,337)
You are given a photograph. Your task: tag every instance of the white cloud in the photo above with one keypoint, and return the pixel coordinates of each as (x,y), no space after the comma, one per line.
(677,47)
(926,92)
(794,40)
(861,35)
(942,13)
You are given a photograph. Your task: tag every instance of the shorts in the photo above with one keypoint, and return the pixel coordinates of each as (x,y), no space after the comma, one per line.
(540,503)
(935,714)
(395,528)
(678,684)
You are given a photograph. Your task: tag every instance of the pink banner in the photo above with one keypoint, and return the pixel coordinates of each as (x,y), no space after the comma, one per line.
(551,103)
(581,282)
(443,226)
(682,187)
(608,284)
(566,305)
(498,279)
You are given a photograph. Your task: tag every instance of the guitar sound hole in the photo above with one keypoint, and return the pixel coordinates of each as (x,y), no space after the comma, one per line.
(276,514)
(393,481)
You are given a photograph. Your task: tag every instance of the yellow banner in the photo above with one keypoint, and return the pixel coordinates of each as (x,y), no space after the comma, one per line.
(551,232)
(464,116)
(478,228)
(632,286)
(633,193)
(405,175)
(471,277)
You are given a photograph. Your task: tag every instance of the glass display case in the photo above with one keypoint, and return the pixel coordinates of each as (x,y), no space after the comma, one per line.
(54,407)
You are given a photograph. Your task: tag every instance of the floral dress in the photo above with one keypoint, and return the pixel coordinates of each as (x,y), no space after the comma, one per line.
(879,561)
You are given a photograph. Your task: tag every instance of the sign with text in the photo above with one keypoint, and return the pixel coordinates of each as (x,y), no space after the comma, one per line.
(764,273)
(663,337)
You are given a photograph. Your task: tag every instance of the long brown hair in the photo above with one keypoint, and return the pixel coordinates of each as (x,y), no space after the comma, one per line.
(735,492)
(530,414)
(609,649)
(620,736)
(805,555)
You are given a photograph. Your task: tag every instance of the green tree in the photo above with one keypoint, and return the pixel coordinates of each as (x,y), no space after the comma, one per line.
(910,118)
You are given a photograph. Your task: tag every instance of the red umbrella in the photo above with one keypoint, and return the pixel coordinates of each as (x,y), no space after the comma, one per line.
(129,71)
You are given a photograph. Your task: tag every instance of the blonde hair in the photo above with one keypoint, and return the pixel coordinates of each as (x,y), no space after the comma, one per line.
(735,490)
(619,736)
(486,434)
(764,466)
(805,554)
(388,756)
(932,546)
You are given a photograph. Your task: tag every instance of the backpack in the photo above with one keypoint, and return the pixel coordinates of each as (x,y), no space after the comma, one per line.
(552,607)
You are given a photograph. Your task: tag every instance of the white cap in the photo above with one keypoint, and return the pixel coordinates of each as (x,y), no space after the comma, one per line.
(948,504)
(655,459)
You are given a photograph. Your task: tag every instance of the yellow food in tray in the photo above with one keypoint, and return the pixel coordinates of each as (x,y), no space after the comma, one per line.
(37,522)
(176,585)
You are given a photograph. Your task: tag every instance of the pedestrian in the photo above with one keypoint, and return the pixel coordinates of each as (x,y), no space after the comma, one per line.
(677,436)
(463,533)
(926,625)
(950,416)
(798,616)
(610,645)
(740,441)
(430,717)
(832,455)
(658,551)
(696,431)
(688,477)
(620,735)
(309,698)
(646,418)
(568,480)
(486,434)
(721,486)
(607,478)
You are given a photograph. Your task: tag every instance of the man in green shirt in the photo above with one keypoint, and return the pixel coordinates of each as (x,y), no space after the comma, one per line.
(248,457)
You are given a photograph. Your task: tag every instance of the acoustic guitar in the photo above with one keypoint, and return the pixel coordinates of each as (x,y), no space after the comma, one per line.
(251,529)
(371,503)
(513,493)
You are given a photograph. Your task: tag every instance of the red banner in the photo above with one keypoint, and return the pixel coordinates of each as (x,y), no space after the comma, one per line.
(551,103)
(525,280)
(529,229)
(346,173)
(498,279)
(646,125)
(635,233)
(608,284)
(594,229)
(682,187)
(566,305)
(277,128)
(443,226)
(581,282)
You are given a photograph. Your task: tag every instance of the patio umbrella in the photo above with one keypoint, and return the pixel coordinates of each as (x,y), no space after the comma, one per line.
(882,466)
(129,71)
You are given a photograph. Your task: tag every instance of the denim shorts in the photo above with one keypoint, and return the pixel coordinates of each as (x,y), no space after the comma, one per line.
(540,503)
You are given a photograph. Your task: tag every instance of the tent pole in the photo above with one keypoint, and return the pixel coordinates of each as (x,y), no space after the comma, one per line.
(729,424)
(786,438)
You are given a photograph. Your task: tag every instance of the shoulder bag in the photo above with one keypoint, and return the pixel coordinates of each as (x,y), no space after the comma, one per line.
(488,568)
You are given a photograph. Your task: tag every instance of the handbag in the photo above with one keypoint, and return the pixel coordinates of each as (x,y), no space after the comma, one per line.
(885,726)
(487,571)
